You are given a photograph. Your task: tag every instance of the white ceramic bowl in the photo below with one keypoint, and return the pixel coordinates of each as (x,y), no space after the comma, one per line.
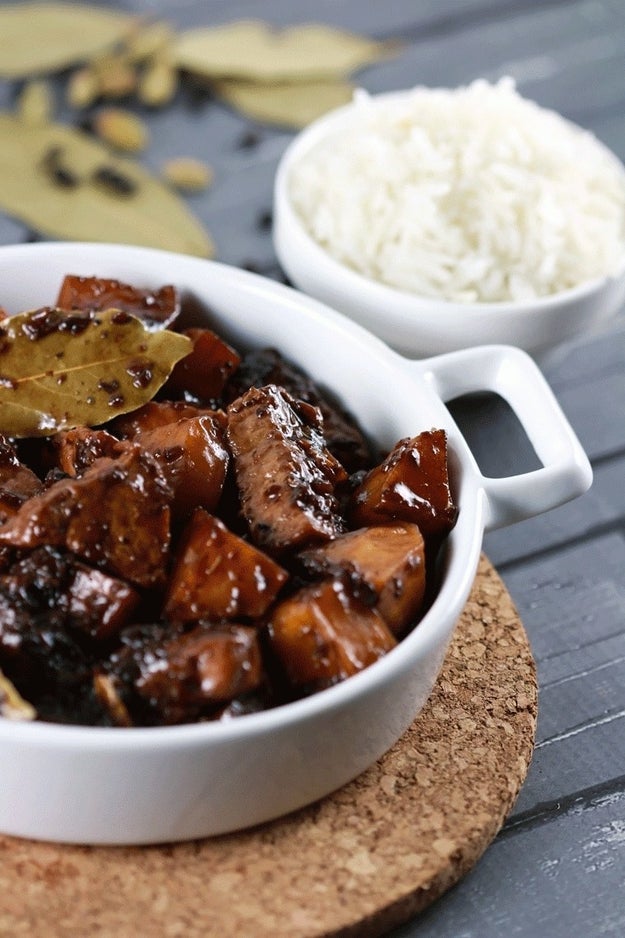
(421,326)
(143,785)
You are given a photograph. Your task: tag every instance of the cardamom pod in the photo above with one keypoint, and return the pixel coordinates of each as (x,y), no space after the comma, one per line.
(116,75)
(121,129)
(34,105)
(149,40)
(83,87)
(187,174)
(158,83)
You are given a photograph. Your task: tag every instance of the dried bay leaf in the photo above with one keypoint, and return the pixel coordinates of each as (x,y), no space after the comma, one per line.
(152,215)
(251,50)
(286,105)
(60,370)
(37,38)
(12,704)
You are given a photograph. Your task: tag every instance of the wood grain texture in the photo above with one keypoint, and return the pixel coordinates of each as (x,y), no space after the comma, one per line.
(363,859)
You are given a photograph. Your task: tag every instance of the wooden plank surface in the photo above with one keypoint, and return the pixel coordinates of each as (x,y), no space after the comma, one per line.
(558,867)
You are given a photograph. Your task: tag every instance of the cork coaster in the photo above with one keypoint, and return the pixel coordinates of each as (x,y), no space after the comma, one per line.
(359,862)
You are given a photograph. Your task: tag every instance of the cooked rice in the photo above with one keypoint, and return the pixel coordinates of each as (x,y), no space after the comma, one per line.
(474,194)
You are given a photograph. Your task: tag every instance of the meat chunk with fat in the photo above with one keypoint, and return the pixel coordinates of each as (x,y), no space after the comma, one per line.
(382,565)
(188,675)
(158,414)
(322,635)
(17,482)
(159,308)
(202,374)
(193,459)
(218,575)
(116,516)
(99,604)
(286,476)
(77,449)
(91,602)
(343,436)
(55,613)
(411,484)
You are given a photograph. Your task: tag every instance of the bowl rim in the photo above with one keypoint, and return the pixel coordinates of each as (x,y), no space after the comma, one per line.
(396,300)
(431,631)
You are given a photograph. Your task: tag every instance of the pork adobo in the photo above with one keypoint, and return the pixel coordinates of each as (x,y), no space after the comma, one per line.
(232,544)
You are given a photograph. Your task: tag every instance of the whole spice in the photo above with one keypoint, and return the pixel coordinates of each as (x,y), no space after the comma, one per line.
(39,38)
(288,104)
(155,216)
(116,76)
(187,174)
(92,347)
(121,129)
(34,105)
(149,41)
(252,50)
(12,704)
(83,87)
(158,83)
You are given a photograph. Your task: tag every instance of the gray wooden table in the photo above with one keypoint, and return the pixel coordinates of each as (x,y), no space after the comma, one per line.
(558,866)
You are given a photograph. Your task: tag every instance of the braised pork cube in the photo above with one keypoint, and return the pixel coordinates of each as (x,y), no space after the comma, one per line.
(218,575)
(322,635)
(193,459)
(39,653)
(115,516)
(383,565)
(17,482)
(343,437)
(411,484)
(199,670)
(77,449)
(158,414)
(202,374)
(158,309)
(91,602)
(286,476)
(47,664)
(100,605)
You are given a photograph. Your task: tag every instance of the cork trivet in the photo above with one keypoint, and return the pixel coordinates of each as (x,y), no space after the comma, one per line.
(360,861)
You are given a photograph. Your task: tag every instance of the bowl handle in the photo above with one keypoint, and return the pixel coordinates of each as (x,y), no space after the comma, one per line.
(511,373)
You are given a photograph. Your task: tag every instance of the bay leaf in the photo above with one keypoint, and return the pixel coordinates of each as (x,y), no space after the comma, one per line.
(153,216)
(251,50)
(286,105)
(12,704)
(60,370)
(38,38)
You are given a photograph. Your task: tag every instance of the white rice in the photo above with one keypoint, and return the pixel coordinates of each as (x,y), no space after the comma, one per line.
(474,194)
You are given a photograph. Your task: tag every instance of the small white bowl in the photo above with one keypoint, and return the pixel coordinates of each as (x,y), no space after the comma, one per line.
(421,326)
(157,784)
